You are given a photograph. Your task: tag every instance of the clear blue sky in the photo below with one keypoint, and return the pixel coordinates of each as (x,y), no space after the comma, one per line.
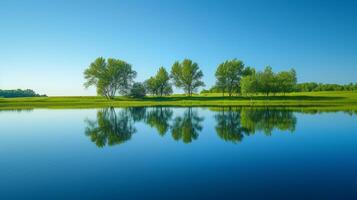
(46,45)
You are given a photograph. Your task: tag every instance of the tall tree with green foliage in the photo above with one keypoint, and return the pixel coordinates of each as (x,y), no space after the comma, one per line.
(163,82)
(286,81)
(151,86)
(159,84)
(110,76)
(249,84)
(228,75)
(187,75)
(266,81)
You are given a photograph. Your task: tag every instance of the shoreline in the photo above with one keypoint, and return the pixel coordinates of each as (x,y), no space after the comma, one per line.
(345,100)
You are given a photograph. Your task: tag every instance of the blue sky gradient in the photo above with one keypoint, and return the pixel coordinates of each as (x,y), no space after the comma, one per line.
(46,45)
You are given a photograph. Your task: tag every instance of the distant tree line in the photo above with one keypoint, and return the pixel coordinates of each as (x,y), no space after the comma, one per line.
(312,86)
(113,76)
(19,93)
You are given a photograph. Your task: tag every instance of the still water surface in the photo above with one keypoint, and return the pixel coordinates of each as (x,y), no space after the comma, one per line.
(178,153)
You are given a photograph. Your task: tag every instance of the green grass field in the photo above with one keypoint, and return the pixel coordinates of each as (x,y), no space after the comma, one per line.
(347,100)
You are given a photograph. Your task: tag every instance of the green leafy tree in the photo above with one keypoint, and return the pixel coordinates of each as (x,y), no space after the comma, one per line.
(187,75)
(159,84)
(249,84)
(228,75)
(163,81)
(266,81)
(151,86)
(286,81)
(138,90)
(110,76)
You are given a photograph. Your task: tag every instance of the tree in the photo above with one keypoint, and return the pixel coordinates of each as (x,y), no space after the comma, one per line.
(249,84)
(151,86)
(138,90)
(110,77)
(160,83)
(228,75)
(187,75)
(266,80)
(286,81)
(163,78)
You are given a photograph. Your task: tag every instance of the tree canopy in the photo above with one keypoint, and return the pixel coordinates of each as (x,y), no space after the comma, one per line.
(113,76)
(267,82)
(187,75)
(160,83)
(228,75)
(138,90)
(110,76)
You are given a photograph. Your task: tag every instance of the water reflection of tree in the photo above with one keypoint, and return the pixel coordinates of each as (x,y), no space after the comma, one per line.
(115,126)
(186,127)
(229,125)
(137,113)
(234,123)
(111,127)
(266,120)
(159,118)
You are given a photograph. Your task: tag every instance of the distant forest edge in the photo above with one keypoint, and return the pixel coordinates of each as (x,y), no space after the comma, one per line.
(19,93)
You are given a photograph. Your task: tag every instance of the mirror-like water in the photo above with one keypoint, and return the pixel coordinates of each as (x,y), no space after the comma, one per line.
(163,152)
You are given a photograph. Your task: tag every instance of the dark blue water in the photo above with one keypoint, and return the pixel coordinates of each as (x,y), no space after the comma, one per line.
(178,153)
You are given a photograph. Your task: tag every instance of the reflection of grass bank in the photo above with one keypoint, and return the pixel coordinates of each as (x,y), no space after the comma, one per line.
(328,100)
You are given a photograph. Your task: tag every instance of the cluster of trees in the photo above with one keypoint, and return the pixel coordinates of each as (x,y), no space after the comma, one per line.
(159,84)
(229,75)
(312,86)
(234,78)
(268,82)
(116,126)
(19,93)
(113,76)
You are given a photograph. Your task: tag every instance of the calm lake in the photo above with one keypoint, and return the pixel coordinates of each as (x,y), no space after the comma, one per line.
(178,153)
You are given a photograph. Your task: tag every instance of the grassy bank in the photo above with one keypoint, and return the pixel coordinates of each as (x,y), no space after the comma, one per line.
(346,100)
